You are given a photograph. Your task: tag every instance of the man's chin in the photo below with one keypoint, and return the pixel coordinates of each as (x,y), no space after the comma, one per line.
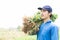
(42,18)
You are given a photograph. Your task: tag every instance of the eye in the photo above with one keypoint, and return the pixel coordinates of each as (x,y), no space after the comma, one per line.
(43,10)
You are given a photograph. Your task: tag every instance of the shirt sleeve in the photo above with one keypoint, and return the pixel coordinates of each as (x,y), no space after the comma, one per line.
(54,33)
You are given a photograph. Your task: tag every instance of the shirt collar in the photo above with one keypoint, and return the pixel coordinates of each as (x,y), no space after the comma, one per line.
(49,21)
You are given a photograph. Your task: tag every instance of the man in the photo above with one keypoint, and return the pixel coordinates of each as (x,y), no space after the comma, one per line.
(48,30)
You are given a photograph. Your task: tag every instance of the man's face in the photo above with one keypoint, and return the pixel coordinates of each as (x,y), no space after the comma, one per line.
(44,14)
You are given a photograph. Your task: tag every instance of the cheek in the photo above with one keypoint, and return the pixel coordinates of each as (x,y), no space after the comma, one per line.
(44,15)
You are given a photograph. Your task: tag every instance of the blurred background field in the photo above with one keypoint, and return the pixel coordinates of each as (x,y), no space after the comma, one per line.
(10,34)
(14,34)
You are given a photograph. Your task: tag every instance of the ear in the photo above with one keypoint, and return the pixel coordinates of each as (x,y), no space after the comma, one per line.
(50,13)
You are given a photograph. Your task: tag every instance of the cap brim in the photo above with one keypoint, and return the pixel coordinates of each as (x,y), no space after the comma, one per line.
(39,8)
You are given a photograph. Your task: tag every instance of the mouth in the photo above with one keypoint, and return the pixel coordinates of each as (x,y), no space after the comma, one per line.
(42,15)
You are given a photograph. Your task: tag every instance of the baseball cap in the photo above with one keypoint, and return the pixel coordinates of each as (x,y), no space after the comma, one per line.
(46,7)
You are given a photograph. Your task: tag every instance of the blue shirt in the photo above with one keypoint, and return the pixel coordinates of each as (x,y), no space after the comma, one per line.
(47,31)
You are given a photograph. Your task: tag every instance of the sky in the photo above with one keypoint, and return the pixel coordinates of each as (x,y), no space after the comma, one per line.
(12,11)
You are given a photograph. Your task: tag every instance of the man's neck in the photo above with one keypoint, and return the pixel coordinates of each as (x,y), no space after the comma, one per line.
(45,20)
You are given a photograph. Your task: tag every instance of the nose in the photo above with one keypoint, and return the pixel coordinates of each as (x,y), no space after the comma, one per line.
(42,14)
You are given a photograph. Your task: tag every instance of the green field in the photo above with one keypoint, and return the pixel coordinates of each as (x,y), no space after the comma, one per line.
(16,35)
(27,37)
(30,37)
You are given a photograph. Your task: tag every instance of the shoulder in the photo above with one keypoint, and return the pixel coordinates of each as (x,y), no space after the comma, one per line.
(54,26)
